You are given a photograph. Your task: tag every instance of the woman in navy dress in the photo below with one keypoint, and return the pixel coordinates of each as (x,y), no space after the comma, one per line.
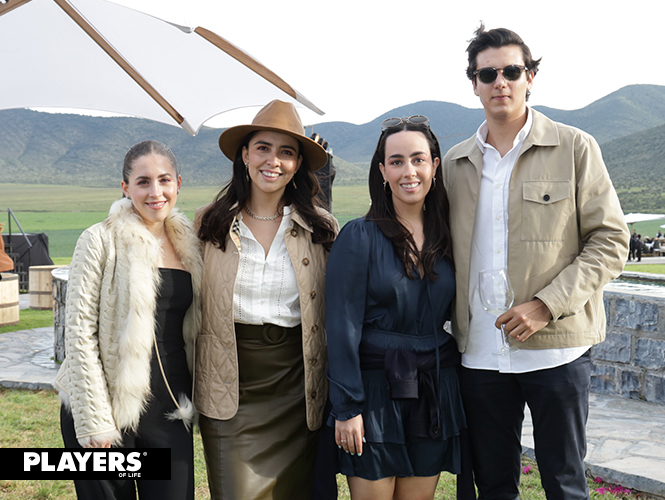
(397,410)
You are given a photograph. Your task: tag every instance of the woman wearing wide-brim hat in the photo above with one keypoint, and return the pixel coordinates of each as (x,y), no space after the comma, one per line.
(260,376)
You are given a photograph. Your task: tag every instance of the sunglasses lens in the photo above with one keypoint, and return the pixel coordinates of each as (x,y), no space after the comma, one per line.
(391,122)
(418,119)
(512,73)
(487,75)
(415,119)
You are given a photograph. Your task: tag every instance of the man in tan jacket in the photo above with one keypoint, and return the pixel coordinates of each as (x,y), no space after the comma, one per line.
(531,196)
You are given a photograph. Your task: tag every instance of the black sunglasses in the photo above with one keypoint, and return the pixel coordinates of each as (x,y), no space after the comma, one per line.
(394,122)
(510,73)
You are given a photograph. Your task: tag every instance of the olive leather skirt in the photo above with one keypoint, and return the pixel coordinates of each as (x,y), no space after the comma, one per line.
(266,450)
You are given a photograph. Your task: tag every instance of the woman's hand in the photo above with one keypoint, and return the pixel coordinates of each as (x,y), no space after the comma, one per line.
(104,440)
(98,444)
(350,434)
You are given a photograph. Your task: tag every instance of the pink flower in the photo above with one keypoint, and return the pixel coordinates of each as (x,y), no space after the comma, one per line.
(526,470)
(616,490)
(597,480)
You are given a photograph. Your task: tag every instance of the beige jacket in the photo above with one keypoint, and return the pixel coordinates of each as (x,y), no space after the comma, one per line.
(109,320)
(567,236)
(216,373)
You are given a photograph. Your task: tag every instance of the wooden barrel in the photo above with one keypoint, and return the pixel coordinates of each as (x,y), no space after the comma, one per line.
(9,310)
(41,287)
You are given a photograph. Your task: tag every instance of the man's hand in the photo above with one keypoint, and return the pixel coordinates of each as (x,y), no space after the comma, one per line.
(524,320)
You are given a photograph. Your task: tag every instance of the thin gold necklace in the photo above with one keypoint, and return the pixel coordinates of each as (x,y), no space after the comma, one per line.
(279,213)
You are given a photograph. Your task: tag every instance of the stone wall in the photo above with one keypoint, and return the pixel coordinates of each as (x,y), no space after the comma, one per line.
(60,278)
(631,361)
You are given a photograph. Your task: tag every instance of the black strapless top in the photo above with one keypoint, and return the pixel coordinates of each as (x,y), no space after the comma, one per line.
(173,300)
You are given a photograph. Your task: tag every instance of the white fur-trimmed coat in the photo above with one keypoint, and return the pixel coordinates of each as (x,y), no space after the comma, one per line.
(110,321)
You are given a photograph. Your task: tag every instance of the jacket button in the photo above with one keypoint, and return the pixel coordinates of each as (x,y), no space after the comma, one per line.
(305,261)
(315,328)
(294,233)
(546,197)
(313,295)
(313,395)
(312,361)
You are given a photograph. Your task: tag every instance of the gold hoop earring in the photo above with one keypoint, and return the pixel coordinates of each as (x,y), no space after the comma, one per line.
(385,186)
(247,171)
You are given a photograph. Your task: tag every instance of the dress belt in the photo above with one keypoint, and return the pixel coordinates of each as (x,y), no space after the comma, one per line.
(409,377)
(272,334)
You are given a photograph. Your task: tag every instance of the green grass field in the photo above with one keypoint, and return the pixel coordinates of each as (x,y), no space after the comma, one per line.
(645,267)
(63,212)
(29,319)
(30,419)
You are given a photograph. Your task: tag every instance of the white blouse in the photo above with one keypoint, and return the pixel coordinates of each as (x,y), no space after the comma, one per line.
(266,290)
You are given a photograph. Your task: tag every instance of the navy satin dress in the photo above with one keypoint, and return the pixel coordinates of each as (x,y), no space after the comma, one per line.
(372,306)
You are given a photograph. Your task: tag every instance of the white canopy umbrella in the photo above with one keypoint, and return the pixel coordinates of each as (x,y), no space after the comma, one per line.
(93,54)
(632,218)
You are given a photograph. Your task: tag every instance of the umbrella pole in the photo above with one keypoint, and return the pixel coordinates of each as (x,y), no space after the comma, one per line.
(11,5)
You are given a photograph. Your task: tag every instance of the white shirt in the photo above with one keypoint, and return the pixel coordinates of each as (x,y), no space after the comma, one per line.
(489,251)
(266,290)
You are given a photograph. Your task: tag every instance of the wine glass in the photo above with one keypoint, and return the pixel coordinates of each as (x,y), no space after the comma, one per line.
(497,297)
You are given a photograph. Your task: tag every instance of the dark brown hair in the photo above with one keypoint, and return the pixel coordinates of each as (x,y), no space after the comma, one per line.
(495,38)
(217,220)
(146,148)
(438,243)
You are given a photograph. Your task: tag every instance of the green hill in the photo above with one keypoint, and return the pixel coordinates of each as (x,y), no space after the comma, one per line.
(636,164)
(624,112)
(81,150)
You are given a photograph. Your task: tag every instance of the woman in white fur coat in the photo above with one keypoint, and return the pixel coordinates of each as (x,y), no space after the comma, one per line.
(132,316)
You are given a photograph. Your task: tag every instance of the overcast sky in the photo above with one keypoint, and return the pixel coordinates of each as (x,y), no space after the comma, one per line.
(357,59)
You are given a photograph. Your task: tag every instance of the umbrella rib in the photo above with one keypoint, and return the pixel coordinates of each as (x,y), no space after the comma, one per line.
(121,61)
(11,5)
(247,60)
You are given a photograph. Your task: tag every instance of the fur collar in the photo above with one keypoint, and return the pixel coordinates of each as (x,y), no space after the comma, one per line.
(137,257)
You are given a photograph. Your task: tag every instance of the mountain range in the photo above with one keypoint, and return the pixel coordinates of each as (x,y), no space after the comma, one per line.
(50,148)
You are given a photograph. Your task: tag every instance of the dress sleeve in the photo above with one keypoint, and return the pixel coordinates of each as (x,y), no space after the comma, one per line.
(346,293)
(88,391)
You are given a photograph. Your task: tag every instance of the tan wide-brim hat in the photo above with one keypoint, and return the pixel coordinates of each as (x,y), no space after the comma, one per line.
(276,116)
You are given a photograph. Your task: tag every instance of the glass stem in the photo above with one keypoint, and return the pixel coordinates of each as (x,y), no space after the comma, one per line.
(505,345)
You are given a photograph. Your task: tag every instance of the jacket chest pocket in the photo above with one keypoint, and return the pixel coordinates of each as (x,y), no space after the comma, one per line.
(546,207)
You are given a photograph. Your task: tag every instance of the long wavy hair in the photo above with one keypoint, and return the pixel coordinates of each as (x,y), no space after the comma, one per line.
(217,220)
(436,224)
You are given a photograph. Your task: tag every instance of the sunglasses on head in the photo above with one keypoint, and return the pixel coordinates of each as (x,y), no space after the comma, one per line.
(394,122)
(510,73)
